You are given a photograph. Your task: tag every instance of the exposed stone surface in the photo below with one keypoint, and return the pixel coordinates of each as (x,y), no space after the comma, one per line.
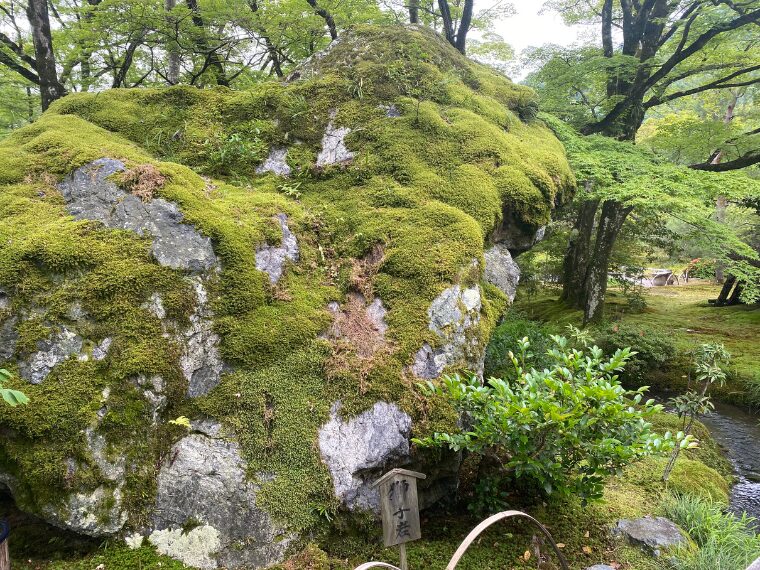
(5,300)
(101,350)
(653,533)
(205,480)
(334,150)
(276,162)
(8,338)
(391,111)
(51,351)
(271,259)
(755,565)
(517,236)
(110,468)
(156,306)
(98,513)
(90,195)
(153,391)
(451,316)
(600,567)
(501,270)
(200,361)
(359,450)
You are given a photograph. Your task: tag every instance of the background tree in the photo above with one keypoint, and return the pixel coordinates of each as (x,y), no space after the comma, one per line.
(668,51)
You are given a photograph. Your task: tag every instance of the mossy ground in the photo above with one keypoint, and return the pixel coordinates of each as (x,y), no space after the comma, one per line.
(683,314)
(427,188)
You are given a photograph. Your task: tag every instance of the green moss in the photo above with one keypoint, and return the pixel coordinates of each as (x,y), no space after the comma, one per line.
(427,188)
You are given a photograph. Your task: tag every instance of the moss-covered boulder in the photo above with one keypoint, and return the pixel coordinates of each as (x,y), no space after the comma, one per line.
(278,265)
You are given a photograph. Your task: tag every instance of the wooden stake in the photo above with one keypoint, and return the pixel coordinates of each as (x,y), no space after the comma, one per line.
(402,557)
(5,559)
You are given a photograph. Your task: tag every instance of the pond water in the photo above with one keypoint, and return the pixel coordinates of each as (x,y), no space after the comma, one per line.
(739,434)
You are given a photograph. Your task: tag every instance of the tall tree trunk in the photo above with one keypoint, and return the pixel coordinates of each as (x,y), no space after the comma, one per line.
(214,62)
(610,222)
(721,203)
(577,256)
(172,58)
(464,26)
(39,20)
(414,11)
(448,22)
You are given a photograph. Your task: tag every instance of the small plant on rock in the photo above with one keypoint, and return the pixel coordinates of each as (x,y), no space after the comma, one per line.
(561,430)
(12,397)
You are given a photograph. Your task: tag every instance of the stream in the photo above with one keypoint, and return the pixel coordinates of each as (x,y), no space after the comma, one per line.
(739,434)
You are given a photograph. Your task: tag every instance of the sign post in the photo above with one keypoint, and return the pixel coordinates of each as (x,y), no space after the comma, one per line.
(400,509)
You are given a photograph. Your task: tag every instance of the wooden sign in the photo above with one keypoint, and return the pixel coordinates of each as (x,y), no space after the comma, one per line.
(399,506)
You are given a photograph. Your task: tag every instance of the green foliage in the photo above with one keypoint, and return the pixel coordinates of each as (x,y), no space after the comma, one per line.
(701,268)
(12,397)
(724,540)
(653,349)
(506,339)
(563,429)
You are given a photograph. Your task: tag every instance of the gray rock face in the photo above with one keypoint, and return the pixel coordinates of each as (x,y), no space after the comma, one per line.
(334,150)
(8,338)
(359,450)
(276,163)
(51,351)
(451,316)
(755,565)
(271,259)
(653,533)
(153,391)
(600,567)
(517,236)
(98,513)
(101,350)
(200,361)
(5,300)
(205,481)
(501,270)
(90,196)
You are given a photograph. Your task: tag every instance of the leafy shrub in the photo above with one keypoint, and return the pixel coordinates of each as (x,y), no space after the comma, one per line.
(726,542)
(701,268)
(506,338)
(226,154)
(560,430)
(652,349)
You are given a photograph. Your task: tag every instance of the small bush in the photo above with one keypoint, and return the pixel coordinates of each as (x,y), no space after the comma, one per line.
(561,430)
(506,338)
(701,269)
(653,349)
(726,542)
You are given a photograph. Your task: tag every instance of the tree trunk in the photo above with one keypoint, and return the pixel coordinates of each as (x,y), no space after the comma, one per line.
(173,62)
(327,17)
(448,23)
(721,202)
(610,222)
(414,11)
(576,260)
(39,20)
(464,26)
(213,60)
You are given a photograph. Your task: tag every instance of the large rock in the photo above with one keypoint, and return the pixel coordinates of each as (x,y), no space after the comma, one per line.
(90,195)
(501,270)
(204,481)
(334,150)
(359,450)
(652,533)
(453,316)
(8,338)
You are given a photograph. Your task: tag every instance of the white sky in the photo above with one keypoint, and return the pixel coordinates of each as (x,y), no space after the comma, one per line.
(529,29)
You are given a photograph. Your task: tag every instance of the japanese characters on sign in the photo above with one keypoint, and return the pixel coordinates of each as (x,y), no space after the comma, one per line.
(399,506)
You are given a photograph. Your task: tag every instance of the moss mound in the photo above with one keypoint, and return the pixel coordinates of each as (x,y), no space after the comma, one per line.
(443,151)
